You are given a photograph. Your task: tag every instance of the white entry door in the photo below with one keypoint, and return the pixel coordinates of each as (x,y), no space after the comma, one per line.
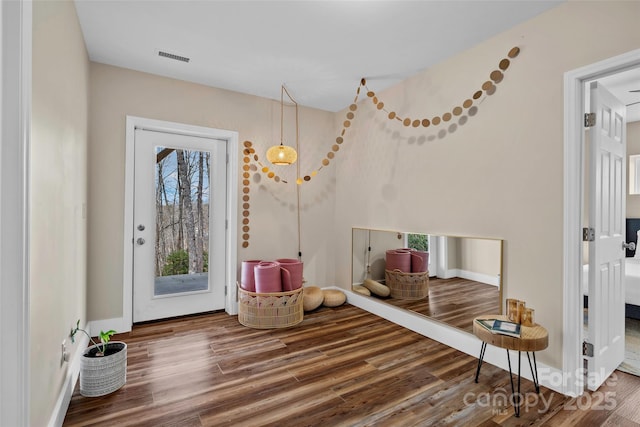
(606,252)
(179,225)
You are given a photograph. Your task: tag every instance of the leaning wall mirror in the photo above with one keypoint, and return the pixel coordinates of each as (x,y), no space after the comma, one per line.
(451,279)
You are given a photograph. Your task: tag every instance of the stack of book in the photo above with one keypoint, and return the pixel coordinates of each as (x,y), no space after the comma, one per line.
(503,327)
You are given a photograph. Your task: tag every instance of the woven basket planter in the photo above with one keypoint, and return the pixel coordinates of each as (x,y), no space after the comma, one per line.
(270,310)
(407,285)
(106,374)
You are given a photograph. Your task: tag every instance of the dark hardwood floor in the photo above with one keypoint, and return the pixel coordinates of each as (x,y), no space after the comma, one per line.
(339,367)
(453,301)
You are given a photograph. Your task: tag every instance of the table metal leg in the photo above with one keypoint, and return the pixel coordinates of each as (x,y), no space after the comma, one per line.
(515,398)
(519,395)
(534,371)
(482,349)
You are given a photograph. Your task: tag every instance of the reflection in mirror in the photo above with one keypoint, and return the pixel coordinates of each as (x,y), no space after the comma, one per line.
(462,277)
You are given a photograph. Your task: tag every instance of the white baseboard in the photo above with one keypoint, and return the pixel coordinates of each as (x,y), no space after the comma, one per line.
(66,391)
(118,324)
(467,343)
(470,275)
(480,277)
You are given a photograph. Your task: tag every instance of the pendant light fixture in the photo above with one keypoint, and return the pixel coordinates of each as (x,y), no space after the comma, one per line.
(283,155)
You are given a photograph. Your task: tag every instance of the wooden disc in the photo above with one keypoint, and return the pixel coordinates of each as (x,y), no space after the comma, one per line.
(514,52)
(347,123)
(246,198)
(276,178)
(245,244)
(487,85)
(245,213)
(375,99)
(392,115)
(446,117)
(246,152)
(246,167)
(246,174)
(255,157)
(435,121)
(245,206)
(246,228)
(353,107)
(335,147)
(330,155)
(415,123)
(307,178)
(467,103)
(350,115)
(245,190)
(407,121)
(370,94)
(265,169)
(380,105)
(339,140)
(325,162)
(477,95)
(504,64)
(245,236)
(496,76)
(457,111)
(425,123)
(271,174)
(245,221)
(247,143)
(246,160)
(245,182)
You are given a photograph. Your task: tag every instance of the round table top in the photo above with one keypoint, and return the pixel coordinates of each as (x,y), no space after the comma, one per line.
(532,338)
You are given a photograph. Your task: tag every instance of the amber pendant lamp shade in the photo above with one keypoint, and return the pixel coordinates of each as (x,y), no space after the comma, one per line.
(283,155)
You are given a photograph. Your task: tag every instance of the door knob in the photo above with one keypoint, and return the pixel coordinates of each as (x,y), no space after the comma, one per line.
(140,241)
(141,227)
(631,246)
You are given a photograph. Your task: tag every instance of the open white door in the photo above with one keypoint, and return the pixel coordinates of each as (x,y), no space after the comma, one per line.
(606,252)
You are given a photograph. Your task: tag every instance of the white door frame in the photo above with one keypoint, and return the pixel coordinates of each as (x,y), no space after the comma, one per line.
(231,305)
(574,108)
(15,125)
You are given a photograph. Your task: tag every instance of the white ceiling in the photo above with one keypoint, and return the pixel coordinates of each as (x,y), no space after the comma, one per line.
(318,49)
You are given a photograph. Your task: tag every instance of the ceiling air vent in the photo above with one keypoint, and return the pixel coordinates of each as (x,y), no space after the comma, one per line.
(172,56)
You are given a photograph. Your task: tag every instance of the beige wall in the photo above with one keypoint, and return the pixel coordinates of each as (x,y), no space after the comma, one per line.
(117,92)
(58,197)
(480,256)
(499,173)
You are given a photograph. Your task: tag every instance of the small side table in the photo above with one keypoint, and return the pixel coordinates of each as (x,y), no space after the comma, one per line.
(532,339)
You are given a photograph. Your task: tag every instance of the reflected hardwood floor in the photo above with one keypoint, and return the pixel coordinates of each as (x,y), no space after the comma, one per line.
(339,367)
(454,301)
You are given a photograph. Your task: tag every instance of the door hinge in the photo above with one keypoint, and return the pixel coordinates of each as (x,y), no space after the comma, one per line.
(588,234)
(589,120)
(587,349)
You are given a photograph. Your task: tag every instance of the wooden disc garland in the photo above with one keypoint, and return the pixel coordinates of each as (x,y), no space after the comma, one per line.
(488,88)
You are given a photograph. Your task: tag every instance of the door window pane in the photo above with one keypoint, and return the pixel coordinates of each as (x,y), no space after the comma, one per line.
(182,221)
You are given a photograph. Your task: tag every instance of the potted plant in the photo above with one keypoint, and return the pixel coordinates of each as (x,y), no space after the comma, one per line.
(103,366)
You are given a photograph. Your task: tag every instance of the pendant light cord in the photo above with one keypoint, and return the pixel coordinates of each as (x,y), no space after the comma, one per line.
(282,92)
